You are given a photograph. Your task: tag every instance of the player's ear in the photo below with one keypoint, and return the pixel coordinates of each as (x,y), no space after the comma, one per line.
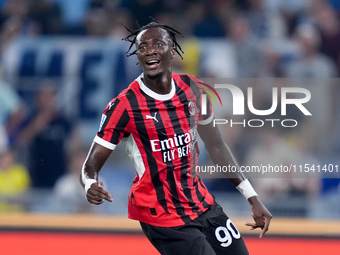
(173,53)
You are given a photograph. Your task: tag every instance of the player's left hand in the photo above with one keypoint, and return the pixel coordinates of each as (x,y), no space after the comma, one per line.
(261,216)
(96,194)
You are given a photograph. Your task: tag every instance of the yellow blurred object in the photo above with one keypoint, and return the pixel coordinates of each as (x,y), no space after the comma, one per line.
(192,56)
(14,181)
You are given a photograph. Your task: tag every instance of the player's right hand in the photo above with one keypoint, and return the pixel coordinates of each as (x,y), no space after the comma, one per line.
(96,194)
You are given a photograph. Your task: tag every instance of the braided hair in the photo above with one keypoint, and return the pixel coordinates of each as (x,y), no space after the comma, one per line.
(171,31)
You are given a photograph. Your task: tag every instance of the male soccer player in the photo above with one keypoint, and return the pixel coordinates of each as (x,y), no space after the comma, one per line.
(157,118)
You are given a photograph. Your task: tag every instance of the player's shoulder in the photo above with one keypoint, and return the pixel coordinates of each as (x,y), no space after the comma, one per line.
(181,76)
(188,79)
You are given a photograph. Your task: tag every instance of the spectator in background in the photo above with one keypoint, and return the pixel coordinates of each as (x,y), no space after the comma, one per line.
(245,46)
(272,149)
(45,134)
(328,24)
(45,17)
(9,31)
(310,62)
(14,182)
(292,13)
(12,112)
(13,22)
(205,22)
(100,19)
(95,22)
(69,196)
(260,20)
(316,69)
(121,16)
(31,18)
(14,9)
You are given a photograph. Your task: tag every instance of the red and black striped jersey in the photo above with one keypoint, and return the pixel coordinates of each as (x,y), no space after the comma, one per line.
(159,133)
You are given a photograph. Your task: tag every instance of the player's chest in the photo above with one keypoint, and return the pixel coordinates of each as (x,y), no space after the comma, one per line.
(163,118)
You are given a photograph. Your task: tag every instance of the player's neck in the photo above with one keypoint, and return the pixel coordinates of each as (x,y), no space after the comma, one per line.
(159,84)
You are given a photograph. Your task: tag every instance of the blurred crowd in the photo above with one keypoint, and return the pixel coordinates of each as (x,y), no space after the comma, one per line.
(266,39)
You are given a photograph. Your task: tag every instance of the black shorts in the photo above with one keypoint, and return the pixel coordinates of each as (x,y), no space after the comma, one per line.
(212,233)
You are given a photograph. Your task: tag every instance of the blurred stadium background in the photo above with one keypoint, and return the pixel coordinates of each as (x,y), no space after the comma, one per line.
(62,61)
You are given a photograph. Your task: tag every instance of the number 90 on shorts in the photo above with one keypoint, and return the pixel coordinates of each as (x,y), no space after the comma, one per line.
(225,234)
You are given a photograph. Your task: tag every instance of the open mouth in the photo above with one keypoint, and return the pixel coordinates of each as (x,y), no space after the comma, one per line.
(152,64)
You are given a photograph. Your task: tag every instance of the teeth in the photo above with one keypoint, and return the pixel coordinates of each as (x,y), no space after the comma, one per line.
(152,62)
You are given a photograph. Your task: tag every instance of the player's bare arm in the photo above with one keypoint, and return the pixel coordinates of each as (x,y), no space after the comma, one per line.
(95,160)
(220,154)
(219,151)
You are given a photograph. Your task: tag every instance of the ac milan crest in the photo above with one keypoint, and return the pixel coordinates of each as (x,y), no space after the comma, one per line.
(191,108)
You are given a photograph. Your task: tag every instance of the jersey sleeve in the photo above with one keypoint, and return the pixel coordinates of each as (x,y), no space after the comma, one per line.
(113,124)
(206,114)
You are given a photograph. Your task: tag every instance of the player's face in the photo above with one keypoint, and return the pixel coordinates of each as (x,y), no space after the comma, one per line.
(154,51)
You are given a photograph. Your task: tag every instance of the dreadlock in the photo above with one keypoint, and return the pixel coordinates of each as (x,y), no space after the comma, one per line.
(171,31)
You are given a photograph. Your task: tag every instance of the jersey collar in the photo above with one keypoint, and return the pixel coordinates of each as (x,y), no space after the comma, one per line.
(151,93)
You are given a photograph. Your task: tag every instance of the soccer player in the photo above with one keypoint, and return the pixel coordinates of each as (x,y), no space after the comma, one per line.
(157,118)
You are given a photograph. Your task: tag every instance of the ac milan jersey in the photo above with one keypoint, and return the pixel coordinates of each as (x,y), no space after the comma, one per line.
(159,133)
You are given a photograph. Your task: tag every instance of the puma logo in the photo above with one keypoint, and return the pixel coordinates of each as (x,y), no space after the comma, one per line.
(152,117)
(111,104)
